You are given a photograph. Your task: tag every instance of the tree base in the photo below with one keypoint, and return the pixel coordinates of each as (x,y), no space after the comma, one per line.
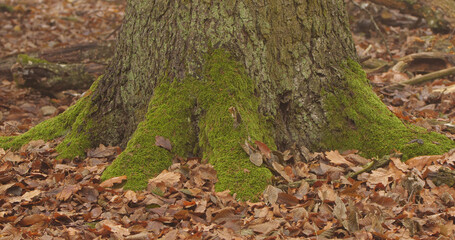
(359,120)
(210,116)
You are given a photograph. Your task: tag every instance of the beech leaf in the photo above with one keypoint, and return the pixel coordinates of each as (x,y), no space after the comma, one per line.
(264,149)
(163,142)
(111,181)
(256,159)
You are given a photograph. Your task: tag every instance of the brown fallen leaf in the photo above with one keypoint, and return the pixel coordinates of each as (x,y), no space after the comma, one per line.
(111,181)
(103,151)
(67,191)
(337,159)
(28,196)
(266,227)
(169,179)
(163,142)
(131,196)
(287,199)
(421,162)
(33,219)
(264,149)
(115,227)
(271,194)
(256,159)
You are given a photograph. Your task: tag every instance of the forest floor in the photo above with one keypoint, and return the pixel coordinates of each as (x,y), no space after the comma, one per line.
(313,196)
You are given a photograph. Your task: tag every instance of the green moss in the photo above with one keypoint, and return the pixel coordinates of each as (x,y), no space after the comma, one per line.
(359,120)
(24,59)
(227,85)
(73,124)
(174,107)
(169,116)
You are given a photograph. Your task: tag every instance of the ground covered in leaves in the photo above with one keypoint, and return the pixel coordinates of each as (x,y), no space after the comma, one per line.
(313,196)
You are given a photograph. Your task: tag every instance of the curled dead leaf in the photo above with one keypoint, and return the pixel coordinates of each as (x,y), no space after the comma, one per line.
(67,192)
(264,149)
(111,181)
(256,159)
(163,142)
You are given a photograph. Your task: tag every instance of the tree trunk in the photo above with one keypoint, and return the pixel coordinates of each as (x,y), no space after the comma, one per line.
(209,75)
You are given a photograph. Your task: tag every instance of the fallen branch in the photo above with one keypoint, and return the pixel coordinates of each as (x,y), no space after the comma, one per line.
(424,78)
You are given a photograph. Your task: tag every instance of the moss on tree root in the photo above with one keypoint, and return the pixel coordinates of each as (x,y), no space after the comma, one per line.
(173,109)
(359,120)
(73,124)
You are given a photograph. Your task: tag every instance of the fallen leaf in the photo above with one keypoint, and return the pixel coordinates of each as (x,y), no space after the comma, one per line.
(421,162)
(111,181)
(256,159)
(67,191)
(115,228)
(266,227)
(103,151)
(169,179)
(336,158)
(33,219)
(264,149)
(280,169)
(271,194)
(287,199)
(131,196)
(379,176)
(28,196)
(399,164)
(163,142)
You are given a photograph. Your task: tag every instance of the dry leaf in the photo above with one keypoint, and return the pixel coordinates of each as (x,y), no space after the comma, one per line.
(33,219)
(336,158)
(271,194)
(377,176)
(287,199)
(399,164)
(131,196)
(169,179)
(28,196)
(163,142)
(266,227)
(264,149)
(111,181)
(256,159)
(422,161)
(67,192)
(114,227)
(103,151)
(280,169)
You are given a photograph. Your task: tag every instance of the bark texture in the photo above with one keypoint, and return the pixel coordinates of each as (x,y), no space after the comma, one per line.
(291,49)
(207,75)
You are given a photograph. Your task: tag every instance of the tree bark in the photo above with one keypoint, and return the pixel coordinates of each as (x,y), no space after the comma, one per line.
(209,75)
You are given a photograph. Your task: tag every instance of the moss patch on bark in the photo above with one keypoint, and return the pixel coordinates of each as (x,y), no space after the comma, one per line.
(203,105)
(169,116)
(227,86)
(73,124)
(359,120)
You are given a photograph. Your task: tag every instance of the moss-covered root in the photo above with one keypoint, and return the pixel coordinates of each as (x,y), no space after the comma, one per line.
(358,116)
(73,124)
(230,115)
(169,116)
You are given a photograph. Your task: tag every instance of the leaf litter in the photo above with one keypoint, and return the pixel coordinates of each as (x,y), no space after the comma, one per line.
(311,196)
